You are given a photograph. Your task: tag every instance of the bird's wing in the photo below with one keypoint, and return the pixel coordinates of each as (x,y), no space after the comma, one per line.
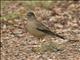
(46,30)
(43,28)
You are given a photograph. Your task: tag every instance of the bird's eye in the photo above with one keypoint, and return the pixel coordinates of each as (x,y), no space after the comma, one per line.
(30,14)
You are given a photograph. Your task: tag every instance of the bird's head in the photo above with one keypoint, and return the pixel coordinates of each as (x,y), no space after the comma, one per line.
(31,15)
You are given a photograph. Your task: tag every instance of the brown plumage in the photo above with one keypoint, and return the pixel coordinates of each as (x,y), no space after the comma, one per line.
(37,29)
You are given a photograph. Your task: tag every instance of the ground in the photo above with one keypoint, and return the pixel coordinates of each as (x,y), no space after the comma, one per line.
(62,17)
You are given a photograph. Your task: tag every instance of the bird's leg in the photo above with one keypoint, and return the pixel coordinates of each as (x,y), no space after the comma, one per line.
(42,40)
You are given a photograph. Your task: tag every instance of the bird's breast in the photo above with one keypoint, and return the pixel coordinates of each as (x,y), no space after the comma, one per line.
(32,28)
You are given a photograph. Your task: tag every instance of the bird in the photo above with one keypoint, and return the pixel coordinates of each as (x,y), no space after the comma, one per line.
(37,29)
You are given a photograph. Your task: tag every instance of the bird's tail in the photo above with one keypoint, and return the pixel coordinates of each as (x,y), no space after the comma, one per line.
(54,34)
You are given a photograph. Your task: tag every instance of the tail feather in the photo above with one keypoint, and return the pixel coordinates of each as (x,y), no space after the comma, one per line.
(54,34)
(50,33)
